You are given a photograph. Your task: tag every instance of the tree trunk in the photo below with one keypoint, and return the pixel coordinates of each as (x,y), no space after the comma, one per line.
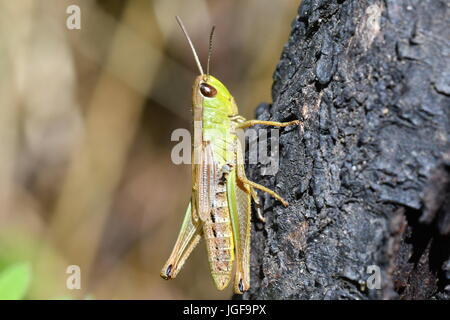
(367,176)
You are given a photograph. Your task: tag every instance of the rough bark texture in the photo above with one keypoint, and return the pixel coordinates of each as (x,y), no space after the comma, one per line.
(368,174)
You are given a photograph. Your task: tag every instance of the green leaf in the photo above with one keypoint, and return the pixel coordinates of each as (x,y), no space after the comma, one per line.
(14,281)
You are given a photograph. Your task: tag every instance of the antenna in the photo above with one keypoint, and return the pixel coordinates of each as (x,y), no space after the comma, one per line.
(190,43)
(210,48)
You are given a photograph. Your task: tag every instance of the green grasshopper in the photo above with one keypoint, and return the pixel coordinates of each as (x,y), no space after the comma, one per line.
(220,206)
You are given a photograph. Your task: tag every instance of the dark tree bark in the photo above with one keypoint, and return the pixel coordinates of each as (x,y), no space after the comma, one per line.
(368,175)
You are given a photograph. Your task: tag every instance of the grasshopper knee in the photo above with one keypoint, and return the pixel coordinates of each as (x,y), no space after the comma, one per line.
(167,274)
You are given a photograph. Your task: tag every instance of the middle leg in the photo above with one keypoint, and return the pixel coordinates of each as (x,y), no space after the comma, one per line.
(240,173)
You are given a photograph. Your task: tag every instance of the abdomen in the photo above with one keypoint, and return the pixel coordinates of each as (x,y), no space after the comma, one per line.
(217,227)
(219,239)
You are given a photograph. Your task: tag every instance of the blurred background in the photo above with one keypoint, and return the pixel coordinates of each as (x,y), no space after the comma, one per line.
(86,117)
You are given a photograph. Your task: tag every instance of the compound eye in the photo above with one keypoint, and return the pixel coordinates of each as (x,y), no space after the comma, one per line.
(207,90)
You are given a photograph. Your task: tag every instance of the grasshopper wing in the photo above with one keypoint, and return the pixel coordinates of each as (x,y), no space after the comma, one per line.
(206,180)
(189,236)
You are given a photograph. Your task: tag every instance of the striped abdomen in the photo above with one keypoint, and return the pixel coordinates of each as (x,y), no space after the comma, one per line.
(219,238)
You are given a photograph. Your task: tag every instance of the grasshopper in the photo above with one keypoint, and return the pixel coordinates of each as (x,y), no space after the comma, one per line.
(220,206)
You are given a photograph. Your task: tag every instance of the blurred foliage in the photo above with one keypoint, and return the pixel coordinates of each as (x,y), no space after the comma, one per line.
(14,281)
(85,123)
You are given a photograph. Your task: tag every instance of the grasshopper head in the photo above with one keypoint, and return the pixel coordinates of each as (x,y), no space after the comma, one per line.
(209,92)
